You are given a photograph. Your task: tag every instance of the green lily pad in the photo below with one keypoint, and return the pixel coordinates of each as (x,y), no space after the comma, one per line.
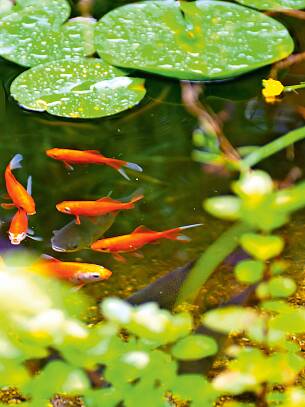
(273,4)
(197,40)
(82,88)
(31,37)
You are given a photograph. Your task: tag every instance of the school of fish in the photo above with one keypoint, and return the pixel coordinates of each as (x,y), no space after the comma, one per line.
(96,210)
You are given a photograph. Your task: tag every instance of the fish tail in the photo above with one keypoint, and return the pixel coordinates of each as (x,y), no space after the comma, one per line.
(123,173)
(136,198)
(29,185)
(15,162)
(175,234)
(133,166)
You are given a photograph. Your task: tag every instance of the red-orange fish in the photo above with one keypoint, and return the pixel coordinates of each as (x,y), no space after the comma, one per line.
(137,239)
(95,208)
(20,196)
(80,273)
(19,227)
(70,157)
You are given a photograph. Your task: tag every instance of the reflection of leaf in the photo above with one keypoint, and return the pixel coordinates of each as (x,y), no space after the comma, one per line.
(32,36)
(273,4)
(56,10)
(202,40)
(82,88)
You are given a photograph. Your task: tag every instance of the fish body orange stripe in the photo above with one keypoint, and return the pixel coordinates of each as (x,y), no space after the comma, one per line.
(84,157)
(73,271)
(95,208)
(18,227)
(138,238)
(18,194)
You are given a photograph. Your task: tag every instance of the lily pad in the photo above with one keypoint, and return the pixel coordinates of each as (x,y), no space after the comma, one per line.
(82,88)
(198,40)
(273,4)
(32,38)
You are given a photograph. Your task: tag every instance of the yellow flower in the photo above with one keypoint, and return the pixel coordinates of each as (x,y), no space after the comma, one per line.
(272,88)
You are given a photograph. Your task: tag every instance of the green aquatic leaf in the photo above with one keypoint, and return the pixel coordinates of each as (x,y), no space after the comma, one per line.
(31,39)
(262,247)
(191,40)
(82,88)
(276,287)
(249,271)
(273,4)
(194,347)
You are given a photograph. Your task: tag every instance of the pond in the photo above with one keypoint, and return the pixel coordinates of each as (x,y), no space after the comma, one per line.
(157,135)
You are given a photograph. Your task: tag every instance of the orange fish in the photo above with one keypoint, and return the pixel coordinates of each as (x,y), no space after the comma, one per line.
(80,273)
(19,227)
(137,239)
(95,208)
(20,196)
(90,157)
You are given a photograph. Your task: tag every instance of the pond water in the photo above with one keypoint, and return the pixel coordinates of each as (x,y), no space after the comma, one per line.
(157,135)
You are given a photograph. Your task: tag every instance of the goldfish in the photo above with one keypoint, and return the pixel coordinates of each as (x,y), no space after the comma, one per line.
(90,157)
(20,196)
(75,272)
(95,208)
(137,239)
(19,230)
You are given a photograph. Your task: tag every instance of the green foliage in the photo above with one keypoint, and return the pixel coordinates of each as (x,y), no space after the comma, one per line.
(273,4)
(94,89)
(190,40)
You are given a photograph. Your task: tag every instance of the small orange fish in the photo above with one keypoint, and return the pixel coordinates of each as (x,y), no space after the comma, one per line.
(95,208)
(20,196)
(90,157)
(18,227)
(79,273)
(137,239)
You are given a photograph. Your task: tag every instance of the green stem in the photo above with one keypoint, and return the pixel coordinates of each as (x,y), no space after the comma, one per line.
(273,147)
(209,261)
(294,87)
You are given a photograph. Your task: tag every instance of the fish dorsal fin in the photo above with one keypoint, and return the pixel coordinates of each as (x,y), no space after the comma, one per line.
(93,152)
(142,229)
(107,199)
(46,257)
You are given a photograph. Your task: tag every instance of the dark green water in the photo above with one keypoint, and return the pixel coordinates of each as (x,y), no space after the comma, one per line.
(157,135)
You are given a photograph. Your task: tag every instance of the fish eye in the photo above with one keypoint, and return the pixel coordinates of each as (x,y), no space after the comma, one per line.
(95,275)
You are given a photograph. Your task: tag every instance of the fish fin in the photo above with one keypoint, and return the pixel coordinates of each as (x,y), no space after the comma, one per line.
(8,205)
(183,238)
(133,166)
(94,152)
(136,198)
(29,185)
(77,287)
(5,196)
(195,225)
(138,255)
(47,257)
(122,172)
(30,232)
(37,238)
(15,162)
(119,257)
(68,166)
(77,220)
(107,199)
(142,229)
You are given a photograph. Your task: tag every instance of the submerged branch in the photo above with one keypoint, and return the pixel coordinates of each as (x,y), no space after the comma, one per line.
(209,261)
(206,119)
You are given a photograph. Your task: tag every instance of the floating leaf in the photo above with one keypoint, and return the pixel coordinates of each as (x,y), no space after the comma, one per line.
(82,88)
(249,271)
(191,40)
(223,207)
(273,4)
(194,347)
(276,287)
(262,247)
(30,39)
